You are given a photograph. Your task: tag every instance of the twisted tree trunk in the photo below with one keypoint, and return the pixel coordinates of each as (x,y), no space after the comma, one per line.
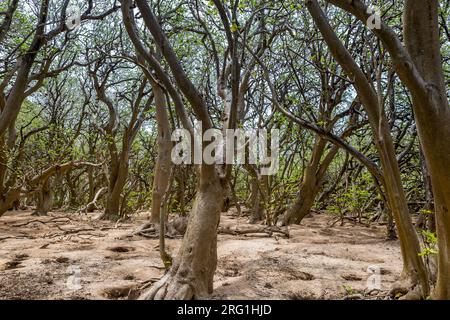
(192,273)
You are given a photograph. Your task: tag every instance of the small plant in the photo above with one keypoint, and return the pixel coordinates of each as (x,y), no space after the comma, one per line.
(430,241)
(348,289)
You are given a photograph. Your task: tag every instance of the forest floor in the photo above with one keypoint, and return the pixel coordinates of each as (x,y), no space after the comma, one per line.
(72,256)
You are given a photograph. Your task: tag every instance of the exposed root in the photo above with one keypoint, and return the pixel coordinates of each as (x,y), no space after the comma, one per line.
(39,214)
(260,230)
(406,289)
(53,220)
(169,287)
(174,229)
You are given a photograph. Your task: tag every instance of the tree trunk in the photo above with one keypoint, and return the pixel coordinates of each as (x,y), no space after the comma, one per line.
(117,182)
(73,192)
(44,202)
(3,164)
(191,275)
(427,219)
(414,271)
(432,114)
(7,200)
(163,162)
(256,202)
(180,194)
(258,194)
(309,188)
(312,182)
(305,200)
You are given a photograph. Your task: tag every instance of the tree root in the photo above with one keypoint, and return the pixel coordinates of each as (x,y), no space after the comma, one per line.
(175,229)
(267,230)
(39,214)
(53,220)
(405,289)
(169,287)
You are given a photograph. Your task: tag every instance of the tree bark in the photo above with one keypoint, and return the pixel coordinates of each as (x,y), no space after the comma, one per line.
(7,200)
(117,181)
(414,271)
(163,162)
(419,66)
(258,194)
(191,275)
(17,93)
(44,199)
(309,186)
(432,114)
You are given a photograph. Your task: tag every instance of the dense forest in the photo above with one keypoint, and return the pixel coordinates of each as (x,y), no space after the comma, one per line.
(194,149)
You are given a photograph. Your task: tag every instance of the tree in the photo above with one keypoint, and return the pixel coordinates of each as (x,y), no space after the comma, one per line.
(423,76)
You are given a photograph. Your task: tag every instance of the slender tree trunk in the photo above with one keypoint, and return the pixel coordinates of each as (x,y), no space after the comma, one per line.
(92,205)
(324,197)
(309,188)
(73,193)
(91,184)
(258,194)
(427,219)
(180,195)
(3,164)
(312,182)
(256,201)
(414,271)
(117,182)
(163,162)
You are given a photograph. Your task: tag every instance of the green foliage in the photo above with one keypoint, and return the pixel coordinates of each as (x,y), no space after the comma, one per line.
(430,242)
(349,289)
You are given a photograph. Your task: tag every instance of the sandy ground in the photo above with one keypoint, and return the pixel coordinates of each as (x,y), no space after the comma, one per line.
(68,256)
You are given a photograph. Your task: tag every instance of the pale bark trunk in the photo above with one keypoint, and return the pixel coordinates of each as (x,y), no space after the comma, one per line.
(92,205)
(3,166)
(163,162)
(192,273)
